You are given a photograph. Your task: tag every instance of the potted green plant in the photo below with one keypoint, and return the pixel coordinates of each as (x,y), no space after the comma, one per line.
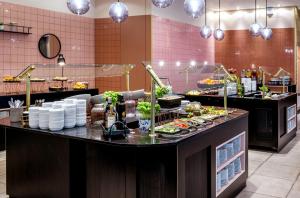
(144,109)
(113,95)
(264,90)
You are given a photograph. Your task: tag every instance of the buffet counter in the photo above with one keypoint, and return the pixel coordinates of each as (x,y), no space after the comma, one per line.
(79,162)
(272,122)
(49,96)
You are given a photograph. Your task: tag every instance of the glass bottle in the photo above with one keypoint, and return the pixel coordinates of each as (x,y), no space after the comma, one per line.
(110,117)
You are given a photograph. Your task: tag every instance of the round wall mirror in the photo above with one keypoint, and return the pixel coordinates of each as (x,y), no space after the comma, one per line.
(49,46)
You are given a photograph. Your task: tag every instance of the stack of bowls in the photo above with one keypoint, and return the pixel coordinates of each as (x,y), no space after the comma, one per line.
(58,105)
(56,119)
(80,112)
(47,104)
(70,115)
(44,118)
(34,117)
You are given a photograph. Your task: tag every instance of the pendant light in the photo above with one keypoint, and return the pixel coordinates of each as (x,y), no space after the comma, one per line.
(219,33)
(79,7)
(205,31)
(194,8)
(118,11)
(266,33)
(162,3)
(255,28)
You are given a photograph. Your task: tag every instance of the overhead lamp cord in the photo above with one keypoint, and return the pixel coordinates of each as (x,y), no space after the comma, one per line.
(266,13)
(255,11)
(219,13)
(205,13)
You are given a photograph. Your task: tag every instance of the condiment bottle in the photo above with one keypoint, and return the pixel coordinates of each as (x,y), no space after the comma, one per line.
(110,117)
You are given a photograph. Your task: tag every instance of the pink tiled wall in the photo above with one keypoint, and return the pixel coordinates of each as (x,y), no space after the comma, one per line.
(75,33)
(174,41)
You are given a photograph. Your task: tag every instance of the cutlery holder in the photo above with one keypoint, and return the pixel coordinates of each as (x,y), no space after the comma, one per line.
(15,114)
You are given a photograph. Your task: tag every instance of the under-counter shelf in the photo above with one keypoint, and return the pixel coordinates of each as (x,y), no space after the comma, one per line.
(230,182)
(230,168)
(11,28)
(230,161)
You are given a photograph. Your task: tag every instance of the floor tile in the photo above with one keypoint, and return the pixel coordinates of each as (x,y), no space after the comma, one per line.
(253,165)
(278,171)
(290,159)
(245,194)
(258,155)
(268,186)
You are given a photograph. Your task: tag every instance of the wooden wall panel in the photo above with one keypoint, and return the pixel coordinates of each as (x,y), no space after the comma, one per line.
(240,50)
(125,43)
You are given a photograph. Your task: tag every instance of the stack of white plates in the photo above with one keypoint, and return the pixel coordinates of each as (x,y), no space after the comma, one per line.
(47,104)
(56,119)
(70,115)
(70,101)
(34,117)
(44,118)
(80,112)
(58,104)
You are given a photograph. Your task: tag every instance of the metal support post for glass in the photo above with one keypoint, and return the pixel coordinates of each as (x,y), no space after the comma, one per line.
(27,92)
(225,96)
(153,102)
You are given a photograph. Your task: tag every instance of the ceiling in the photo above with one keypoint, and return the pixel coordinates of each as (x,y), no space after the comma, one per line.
(249,4)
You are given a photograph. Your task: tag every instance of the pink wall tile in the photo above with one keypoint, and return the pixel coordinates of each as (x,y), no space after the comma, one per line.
(174,41)
(18,51)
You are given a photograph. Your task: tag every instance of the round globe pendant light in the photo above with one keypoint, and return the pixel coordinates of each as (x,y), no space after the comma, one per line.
(118,11)
(255,28)
(205,31)
(266,33)
(79,7)
(219,33)
(162,3)
(194,8)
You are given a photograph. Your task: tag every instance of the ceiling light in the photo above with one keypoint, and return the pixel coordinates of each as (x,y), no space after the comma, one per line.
(162,3)
(205,31)
(255,28)
(79,7)
(266,33)
(161,63)
(219,33)
(178,63)
(118,11)
(194,8)
(193,63)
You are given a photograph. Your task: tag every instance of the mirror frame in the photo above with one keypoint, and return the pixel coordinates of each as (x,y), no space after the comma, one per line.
(39,45)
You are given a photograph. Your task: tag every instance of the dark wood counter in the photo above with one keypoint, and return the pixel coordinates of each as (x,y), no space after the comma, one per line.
(80,163)
(49,96)
(267,118)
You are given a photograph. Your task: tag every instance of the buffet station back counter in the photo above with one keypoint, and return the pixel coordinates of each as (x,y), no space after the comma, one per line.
(47,96)
(272,122)
(211,161)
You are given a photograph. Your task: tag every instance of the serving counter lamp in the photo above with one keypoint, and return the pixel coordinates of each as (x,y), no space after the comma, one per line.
(282,73)
(61,62)
(264,72)
(227,77)
(154,80)
(26,74)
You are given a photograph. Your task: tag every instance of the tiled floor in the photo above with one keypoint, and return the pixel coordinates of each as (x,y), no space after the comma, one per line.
(271,175)
(274,175)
